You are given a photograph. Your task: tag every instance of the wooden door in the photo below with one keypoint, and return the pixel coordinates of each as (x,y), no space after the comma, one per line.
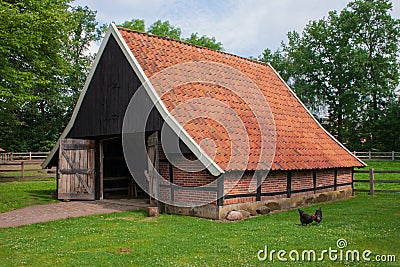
(76,169)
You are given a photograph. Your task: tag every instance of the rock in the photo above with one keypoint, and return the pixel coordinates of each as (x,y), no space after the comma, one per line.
(273,206)
(152,212)
(263,210)
(245,214)
(322,198)
(234,216)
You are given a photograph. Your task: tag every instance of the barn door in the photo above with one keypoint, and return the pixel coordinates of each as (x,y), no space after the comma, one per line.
(152,151)
(76,169)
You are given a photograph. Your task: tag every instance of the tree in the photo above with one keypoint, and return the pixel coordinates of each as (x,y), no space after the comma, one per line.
(165,29)
(204,41)
(375,36)
(134,24)
(348,63)
(83,30)
(42,46)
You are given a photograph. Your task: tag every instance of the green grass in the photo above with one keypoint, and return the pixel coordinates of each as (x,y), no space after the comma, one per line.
(380,165)
(21,193)
(132,239)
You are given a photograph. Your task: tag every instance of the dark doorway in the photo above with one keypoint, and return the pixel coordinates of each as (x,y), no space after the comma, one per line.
(117,180)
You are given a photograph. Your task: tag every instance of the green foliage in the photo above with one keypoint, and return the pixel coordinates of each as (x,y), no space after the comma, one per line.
(347,62)
(204,41)
(134,24)
(42,68)
(165,29)
(132,239)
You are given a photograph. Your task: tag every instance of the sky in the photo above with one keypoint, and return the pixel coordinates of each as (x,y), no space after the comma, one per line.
(244,27)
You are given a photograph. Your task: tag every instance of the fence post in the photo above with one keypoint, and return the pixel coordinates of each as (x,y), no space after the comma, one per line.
(22,170)
(30,155)
(369,154)
(371,181)
(392,155)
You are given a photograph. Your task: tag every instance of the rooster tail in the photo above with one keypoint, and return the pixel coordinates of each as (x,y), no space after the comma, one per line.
(300,211)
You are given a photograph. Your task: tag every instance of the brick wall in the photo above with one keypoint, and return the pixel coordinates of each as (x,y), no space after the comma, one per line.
(236,184)
(276,182)
(182,177)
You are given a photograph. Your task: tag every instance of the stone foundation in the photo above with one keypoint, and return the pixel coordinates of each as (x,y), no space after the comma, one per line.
(211,211)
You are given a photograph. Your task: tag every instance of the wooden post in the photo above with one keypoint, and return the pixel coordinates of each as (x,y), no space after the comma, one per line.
(259,187)
(371,181)
(22,170)
(315,181)
(369,154)
(335,172)
(220,191)
(289,185)
(30,155)
(393,155)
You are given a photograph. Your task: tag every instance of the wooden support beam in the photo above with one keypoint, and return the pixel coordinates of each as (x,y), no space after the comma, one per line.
(220,191)
(289,184)
(315,181)
(171,180)
(335,174)
(259,187)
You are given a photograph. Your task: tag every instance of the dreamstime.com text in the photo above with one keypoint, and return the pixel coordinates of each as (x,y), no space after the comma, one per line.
(332,254)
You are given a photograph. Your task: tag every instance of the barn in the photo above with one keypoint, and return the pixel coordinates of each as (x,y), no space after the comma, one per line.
(201,132)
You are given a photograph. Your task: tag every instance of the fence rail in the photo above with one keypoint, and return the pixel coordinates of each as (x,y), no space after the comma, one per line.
(25,168)
(374,155)
(10,156)
(372,181)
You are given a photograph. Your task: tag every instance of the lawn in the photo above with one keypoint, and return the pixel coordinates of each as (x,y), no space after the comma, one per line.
(19,193)
(380,165)
(132,239)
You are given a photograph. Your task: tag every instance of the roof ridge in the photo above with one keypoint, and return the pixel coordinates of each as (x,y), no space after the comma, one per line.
(190,44)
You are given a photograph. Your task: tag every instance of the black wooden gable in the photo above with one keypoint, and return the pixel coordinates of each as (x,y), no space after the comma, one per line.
(103,108)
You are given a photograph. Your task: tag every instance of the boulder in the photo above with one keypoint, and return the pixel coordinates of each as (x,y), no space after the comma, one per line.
(263,210)
(245,214)
(274,206)
(234,216)
(152,212)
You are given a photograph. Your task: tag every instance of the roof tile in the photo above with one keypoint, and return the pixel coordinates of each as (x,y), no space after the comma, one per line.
(300,142)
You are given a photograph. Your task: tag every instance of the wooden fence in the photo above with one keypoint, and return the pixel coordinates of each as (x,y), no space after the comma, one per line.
(372,181)
(373,155)
(10,156)
(23,167)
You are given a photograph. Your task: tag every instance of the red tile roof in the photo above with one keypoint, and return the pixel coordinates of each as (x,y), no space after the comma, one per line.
(219,111)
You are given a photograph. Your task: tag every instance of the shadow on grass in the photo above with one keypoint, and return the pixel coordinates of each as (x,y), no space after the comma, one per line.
(42,194)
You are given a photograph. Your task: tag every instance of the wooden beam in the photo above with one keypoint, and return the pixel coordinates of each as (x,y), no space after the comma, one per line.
(74,171)
(259,187)
(220,191)
(289,184)
(315,181)
(335,174)
(171,180)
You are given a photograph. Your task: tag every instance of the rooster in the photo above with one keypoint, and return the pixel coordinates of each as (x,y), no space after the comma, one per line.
(317,216)
(304,217)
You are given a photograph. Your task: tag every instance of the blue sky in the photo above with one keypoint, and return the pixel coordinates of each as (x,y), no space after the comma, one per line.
(245,28)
